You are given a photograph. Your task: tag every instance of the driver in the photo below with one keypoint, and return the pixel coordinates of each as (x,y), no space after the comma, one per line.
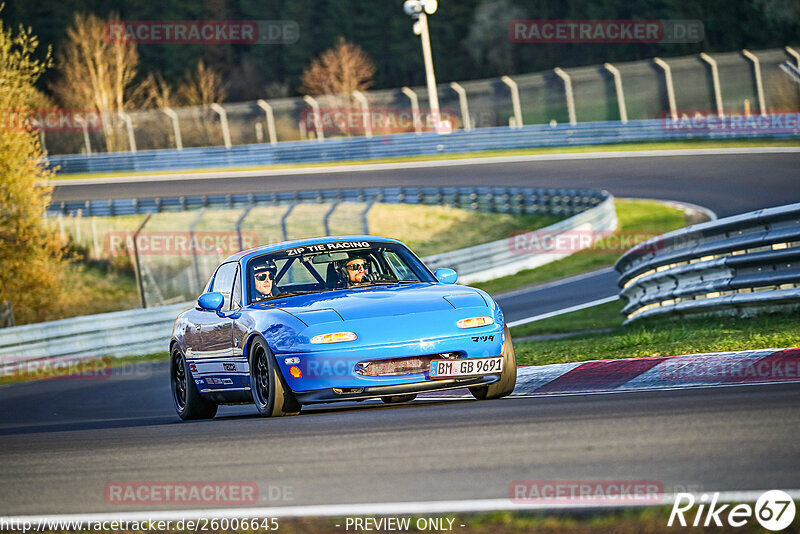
(264,277)
(358,271)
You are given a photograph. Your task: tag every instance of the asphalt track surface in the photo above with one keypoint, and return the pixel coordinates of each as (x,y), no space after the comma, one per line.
(725,183)
(62,441)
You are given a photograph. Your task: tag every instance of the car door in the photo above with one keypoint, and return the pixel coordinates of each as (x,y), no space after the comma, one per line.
(215,333)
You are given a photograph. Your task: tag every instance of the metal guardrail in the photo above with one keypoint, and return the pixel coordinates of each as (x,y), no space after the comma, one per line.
(501,258)
(105,334)
(144,331)
(388,146)
(741,264)
(525,200)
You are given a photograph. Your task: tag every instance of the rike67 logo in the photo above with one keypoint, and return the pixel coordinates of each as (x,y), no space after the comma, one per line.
(774,510)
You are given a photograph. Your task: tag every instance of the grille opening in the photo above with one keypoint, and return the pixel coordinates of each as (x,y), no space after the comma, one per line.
(402,366)
(346,391)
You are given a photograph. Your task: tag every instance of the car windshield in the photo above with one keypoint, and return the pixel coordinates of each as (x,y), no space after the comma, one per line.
(332,266)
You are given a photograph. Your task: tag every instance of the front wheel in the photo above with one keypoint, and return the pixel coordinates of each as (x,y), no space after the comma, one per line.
(508,378)
(187,399)
(271,395)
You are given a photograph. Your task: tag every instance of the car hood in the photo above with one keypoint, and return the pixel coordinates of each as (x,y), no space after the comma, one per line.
(378,301)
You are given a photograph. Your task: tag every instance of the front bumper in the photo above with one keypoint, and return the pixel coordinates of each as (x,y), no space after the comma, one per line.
(328,394)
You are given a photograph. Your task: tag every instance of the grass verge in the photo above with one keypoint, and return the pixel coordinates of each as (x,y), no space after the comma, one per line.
(602,316)
(672,145)
(661,337)
(642,218)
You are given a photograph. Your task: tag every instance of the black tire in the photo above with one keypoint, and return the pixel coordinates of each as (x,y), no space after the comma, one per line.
(187,399)
(397,399)
(271,395)
(508,378)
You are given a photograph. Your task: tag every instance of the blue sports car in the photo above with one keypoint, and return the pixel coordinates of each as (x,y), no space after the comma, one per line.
(335,319)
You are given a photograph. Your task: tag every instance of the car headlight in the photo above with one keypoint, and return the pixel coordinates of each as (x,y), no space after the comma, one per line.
(336,337)
(474,322)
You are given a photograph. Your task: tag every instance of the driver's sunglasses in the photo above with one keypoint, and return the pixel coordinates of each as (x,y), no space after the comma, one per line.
(357,267)
(263,276)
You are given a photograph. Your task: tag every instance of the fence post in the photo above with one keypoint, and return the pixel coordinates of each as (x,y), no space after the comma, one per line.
(364,222)
(95,242)
(412,96)
(673,109)
(86,141)
(284,229)
(311,101)
(7,315)
(193,245)
(176,127)
(137,270)
(239,224)
(794,53)
(512,85)
(223,120)
(326,219)
(715,81)
(759,85)
(623,110)
(462,100)
(362,99)
(273,138)
(129,127)
(568,93)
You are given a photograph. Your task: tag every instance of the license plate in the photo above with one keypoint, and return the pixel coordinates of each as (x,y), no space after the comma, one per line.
(465,367)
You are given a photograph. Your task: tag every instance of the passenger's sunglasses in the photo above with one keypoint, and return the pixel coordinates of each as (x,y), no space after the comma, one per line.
(357,267)
(263,276)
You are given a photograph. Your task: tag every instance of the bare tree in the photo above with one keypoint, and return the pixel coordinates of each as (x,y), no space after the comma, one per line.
(340,70)
(154,92)
(202,87)
(337,73)
(97,72)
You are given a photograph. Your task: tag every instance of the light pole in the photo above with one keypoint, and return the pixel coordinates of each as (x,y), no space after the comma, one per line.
(419,11)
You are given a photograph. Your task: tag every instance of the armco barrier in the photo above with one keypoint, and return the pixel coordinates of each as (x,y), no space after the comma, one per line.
(526,200)
(145,331)
(363,148)
(499,258)
(741,264)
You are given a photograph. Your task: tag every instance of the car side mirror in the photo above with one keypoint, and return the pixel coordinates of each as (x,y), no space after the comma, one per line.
(446,276)
(211,301)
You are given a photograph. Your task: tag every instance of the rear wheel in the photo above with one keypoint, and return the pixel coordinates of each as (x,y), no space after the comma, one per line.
(508,378)
(397,399)
(188,402)
(271,395)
